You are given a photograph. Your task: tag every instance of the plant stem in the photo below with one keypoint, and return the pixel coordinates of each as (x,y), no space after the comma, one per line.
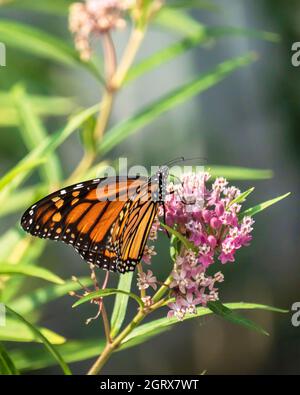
(131,50)
(106,323)
(115,343)
(111,347)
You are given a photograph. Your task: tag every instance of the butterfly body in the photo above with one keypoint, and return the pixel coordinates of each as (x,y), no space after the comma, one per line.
(106,220)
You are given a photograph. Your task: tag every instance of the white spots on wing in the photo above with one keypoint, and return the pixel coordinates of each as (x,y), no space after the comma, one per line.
(78,186)
(63,192)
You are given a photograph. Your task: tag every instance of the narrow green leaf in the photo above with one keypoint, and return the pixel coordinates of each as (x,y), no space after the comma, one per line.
(101,293)
(262,206)
(56,7)
(205,4)
(52,350)
(8,241)
(23,198)
(128,127)
(178,21)
(20,169)
(175,245)
(16,331)
(203,35)
(188,244)
(36,42)
(72,351)
(121,302)
(239,173)
(31,271)
(31,301)
(242,197)
(162,323)
(34,133)
(43,106)
(47,147)
(218,308)
(7,366)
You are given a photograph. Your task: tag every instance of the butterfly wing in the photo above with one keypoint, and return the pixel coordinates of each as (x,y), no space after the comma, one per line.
(82,215)
(130,232)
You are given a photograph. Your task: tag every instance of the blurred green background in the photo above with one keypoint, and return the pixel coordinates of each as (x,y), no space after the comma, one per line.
(250,119)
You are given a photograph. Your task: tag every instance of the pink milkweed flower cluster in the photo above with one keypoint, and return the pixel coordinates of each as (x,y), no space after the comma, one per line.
(208,217)
(96,17)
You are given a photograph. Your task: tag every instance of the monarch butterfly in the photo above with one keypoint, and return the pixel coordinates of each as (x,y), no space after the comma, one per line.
(106,220)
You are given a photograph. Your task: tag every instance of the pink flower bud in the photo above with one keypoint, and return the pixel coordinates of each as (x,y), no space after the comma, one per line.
(220,209)
(215,223)
(212,241)
(206,214)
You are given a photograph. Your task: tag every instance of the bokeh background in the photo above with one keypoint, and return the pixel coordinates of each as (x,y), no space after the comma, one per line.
(251,119)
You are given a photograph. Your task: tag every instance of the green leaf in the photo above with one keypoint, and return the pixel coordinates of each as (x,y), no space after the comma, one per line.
(31,271)
(47,147)
(7,366)
(202,35)
(128,127)
(101,293)
(72,351)
(121,302)
(178,21)
(239,173)
(242,197)
(20,169)
(8,241)
(23,198)
(218,308)
(16,331)
(34,133)
(205,4)
(31,301)
(36,42)
(188,244)
(52,350)
(43,106)
(56,7)
(262,206)
(175,245)
(163,323)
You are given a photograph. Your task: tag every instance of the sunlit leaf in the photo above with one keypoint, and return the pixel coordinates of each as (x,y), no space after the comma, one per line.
(16,331)
(46,148)
(121,302)
(37,42)
(32,300)
(74,351)
(262,206)
(242,197)
(57,7)
(52,350)
(42,106)
(7,366)
(205,81)
(218,308)
(160,324)
(31,271)
(239,173)
(20,169)
(34,133)
(107,292)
